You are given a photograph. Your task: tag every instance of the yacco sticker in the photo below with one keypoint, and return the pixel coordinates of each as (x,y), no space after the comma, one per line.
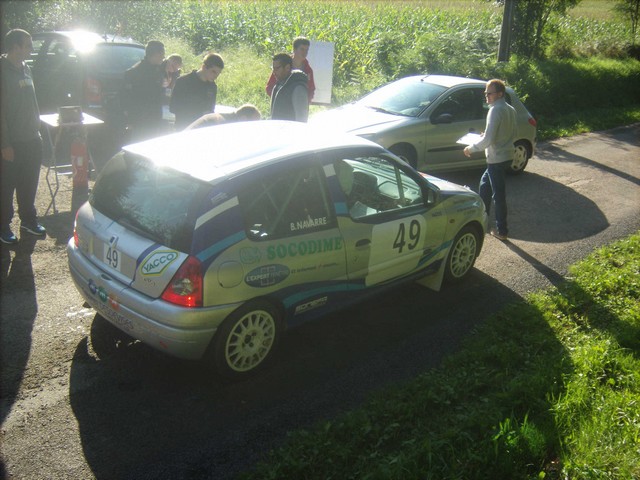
(266,275)
(156,263)
(309,247)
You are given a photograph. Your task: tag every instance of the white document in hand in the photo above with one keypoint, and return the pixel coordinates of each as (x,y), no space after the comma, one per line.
(470,139)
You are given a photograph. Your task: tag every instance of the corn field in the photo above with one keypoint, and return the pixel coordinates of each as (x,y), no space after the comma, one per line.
(375,42)
(387,38)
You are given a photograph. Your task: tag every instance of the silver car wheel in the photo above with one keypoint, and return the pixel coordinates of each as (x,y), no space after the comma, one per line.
(462,255)
(520,158)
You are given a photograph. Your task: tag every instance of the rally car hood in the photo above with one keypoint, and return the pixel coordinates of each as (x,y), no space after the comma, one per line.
(446,187)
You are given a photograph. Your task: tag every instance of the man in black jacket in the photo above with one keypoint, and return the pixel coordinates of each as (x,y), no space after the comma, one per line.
(143,94)
(195,93)
(20,137)
(290,97)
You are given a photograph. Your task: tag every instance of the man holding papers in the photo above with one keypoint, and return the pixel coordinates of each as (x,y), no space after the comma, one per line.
(497,142)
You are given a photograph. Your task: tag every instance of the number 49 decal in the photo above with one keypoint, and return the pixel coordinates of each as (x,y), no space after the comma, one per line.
(112,257)
(407,236)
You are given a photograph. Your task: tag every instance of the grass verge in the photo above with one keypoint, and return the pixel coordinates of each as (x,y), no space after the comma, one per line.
(548,388)
(591,120)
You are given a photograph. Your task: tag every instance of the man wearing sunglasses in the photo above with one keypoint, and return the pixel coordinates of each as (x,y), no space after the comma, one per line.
(497,142)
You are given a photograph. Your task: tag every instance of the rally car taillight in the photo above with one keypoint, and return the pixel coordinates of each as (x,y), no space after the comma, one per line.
(185,288)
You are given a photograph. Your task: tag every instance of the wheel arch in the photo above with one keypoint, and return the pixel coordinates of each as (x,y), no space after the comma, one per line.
(407,151)
(277,305)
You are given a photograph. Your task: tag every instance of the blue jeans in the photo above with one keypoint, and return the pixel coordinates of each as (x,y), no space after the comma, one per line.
(493,187)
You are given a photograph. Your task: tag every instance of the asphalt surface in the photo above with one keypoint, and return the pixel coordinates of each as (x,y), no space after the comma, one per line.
(80,402)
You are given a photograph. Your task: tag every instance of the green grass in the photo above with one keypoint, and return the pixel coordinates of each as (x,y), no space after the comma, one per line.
(549,388)
(587,120)
(594,10)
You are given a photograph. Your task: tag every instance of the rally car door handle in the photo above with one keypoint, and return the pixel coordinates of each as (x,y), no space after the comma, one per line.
(363,243)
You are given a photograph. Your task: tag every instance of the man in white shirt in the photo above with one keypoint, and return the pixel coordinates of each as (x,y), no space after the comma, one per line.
(497,142)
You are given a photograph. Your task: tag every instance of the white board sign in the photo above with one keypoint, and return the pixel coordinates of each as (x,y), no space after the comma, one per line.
(321,60)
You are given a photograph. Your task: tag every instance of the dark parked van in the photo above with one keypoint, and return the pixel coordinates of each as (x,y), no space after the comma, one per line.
(86,69)
(81,68)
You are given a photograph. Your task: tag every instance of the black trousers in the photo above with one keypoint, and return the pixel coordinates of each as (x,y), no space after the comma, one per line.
(21,176)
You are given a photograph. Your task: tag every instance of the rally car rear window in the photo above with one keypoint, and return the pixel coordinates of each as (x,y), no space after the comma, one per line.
(156,203)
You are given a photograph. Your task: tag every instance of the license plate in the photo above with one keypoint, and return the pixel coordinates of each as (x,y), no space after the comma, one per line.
(112,257)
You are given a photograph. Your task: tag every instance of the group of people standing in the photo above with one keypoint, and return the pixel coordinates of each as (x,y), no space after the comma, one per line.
(149,86)
(155,82)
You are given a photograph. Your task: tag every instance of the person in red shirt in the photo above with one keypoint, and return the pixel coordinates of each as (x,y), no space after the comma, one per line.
(300,51)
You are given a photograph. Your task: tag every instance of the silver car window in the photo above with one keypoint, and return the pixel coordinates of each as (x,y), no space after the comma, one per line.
(405,97)
(462,105)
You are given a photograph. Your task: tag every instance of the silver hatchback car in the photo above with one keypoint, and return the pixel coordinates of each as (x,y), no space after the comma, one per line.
(207,244)
(420,119)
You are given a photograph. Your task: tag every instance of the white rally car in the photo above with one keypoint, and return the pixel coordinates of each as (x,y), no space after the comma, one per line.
(207,244)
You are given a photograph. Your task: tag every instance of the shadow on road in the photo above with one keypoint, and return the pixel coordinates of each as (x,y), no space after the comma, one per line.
(543,210)
(553,152)
(18,309)
(142,414)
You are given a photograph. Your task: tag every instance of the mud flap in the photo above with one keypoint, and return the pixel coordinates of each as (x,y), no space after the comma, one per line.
(433,281)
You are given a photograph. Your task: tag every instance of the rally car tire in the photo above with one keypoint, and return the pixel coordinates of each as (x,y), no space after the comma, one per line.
(246,340)
(462,255)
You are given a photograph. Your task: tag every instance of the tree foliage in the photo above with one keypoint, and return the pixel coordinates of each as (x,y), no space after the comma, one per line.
(631,10)
(531,19)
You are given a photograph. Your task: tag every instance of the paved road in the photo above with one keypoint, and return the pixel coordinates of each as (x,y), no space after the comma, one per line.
(77,403)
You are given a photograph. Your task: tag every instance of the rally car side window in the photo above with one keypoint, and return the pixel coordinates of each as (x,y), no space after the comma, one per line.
(287,202)
(373,185)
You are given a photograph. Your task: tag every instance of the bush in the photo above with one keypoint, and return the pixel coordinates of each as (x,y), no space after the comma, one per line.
(555,87)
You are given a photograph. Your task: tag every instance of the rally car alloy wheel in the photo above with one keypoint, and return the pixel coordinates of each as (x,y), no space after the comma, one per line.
(462,255)
(246,339)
